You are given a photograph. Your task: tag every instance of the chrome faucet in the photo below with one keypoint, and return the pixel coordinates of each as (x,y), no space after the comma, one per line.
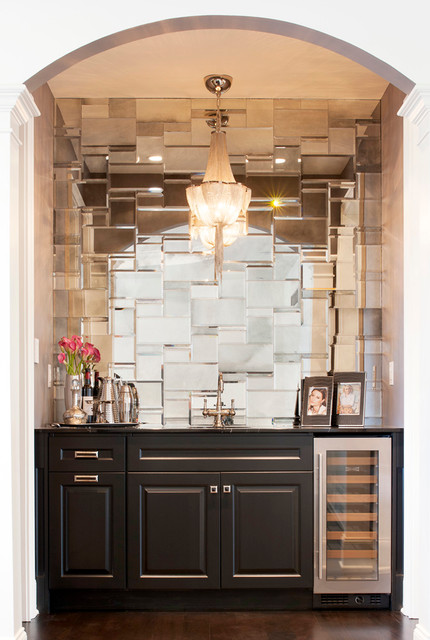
(219,412)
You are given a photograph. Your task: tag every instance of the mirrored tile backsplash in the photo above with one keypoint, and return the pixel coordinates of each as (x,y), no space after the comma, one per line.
(300,294)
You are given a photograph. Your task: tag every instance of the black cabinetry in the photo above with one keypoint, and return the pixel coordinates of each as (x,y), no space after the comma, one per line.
(136,519)
(86,521)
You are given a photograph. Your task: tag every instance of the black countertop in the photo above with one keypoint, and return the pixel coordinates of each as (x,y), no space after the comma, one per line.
(145,428)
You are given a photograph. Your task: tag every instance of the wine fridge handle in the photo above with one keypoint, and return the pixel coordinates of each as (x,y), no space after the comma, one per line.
(320,514)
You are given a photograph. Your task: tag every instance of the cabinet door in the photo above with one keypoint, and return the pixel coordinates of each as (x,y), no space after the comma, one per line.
(86,531)
(173,530)
(266,529)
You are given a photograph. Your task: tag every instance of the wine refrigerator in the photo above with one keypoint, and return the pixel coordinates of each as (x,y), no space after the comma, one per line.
(352,541)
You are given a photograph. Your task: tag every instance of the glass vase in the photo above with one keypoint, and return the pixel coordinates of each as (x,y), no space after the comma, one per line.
(68,389)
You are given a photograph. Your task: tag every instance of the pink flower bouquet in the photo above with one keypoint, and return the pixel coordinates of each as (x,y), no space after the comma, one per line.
(76,355)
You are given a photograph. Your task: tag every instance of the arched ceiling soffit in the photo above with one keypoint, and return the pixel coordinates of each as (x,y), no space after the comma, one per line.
(267,58)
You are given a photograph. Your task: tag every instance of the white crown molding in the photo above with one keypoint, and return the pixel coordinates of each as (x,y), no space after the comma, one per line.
(416,109)
(18,101)
(420,633)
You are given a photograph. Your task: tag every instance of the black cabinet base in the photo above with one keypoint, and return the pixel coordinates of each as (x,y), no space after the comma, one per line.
(208,600)
(351,601)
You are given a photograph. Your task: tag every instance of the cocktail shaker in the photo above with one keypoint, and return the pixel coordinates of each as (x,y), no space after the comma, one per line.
(125,402)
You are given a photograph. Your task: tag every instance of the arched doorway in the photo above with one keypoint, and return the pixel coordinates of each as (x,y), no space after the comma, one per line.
(182,25)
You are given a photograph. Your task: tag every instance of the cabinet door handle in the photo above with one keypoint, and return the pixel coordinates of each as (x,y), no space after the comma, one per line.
(86,454)
(213,488)
(86,478)
(226,488)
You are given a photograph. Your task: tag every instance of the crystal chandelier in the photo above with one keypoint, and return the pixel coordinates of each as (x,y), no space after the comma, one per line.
(218,206)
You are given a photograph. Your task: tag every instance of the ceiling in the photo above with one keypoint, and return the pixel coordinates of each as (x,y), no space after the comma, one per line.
(263,65)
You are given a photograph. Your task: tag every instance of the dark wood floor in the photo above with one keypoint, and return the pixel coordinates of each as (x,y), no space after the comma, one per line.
(303,625)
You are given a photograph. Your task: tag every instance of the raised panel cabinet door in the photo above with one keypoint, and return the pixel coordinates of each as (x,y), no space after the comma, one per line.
(173,530)
(266,529)
(86,531)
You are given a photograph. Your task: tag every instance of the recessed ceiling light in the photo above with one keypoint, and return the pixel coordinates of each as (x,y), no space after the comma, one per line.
(299,160)
(155,158)
(280,160)
(155,190)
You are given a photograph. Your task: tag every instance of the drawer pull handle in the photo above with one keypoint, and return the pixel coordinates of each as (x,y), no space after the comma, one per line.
(86,478)
(226,488)
(213,488)
(86,454)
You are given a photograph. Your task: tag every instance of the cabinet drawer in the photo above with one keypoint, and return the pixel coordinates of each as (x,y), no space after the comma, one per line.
(87,453)
(220,452)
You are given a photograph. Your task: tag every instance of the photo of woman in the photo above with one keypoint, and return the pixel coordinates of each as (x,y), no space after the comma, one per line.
(317,401)
(348,399)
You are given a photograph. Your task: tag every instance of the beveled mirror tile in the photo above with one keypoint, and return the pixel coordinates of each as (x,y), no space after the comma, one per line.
(177,410)
(218,312)
(317,276)
(287,266)
(204,348)
(95,328)
(163,110)
(68,112)
(261,404)
(314,203)
(145,285)
(287,375)
(271,294)
(176,354)
(108,131)
(95,111)
(314,366)
(259,273)
(310,231)
(95,303)
(231,336)
(259,112)
(245,357)
(122,264)
(341,141)
(177,302)
(344,357)
(149,366)
(176,245)
(151,417)
(123,322)
(250,249)
(350,213)
(233,284)
(122,108)
(297,122)
(190,376)
(314,146)
(123,349)
(114,240)
(314,311)
(345,276)
(148,309)
(150,395)
(260,330)
(204,290)
(260,382)
(163,330)
(126,372)
(148,257)
(188,267)
(283,318)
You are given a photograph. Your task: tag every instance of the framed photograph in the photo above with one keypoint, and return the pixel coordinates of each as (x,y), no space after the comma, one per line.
(317,399)
(349,394)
